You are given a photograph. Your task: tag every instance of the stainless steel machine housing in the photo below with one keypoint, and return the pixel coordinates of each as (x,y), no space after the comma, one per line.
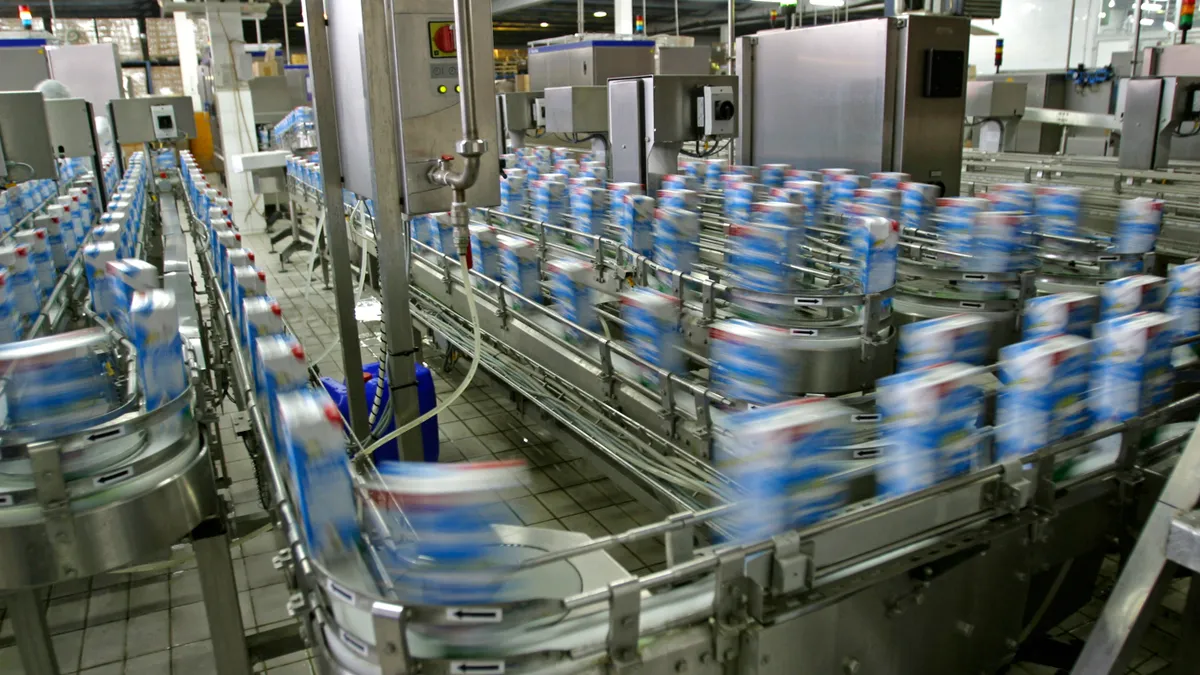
(874,95)
(590,62)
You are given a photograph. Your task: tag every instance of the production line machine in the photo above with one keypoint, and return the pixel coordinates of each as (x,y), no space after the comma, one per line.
(108,434)
(888,583)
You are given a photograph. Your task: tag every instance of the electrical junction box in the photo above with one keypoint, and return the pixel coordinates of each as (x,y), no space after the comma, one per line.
(716,112)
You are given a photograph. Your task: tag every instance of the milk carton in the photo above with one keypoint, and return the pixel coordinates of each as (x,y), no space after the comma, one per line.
(616,198)
(784,459)
(930,419)
(262,316)
(739,196)
(713,170)
(751,362)
(1133,366)
(315,447)
(805,193)
(10,321)
(1183,299)
(879,201)
(248,282)
(96,257)
(282,368)
(235,258)
(519,268)
(679,198)
(763,250)
(1044,394)
(1012,197)
(443,236)
(22,282)
(1060,313)
(773,175)
(125,277)
(1137,293)
(549,201)
(588,207)
(652,329)
(1138,223)
(917,201)
(841,191)
(39,258)
(636,221)
(512,195)
(154,332)
(958,337)
(52,225)
(572,296)
(1057,213)
(676,238)
(485,252)
(873,242)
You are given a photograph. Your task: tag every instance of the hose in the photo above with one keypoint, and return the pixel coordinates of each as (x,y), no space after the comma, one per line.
(476,353)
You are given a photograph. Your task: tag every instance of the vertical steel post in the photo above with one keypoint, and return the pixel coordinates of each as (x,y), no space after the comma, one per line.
(32,633)
(321,67)
(391,238)
(218,585)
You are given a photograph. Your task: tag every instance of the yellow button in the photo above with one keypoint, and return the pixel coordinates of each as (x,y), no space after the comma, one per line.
(442,89)
(458,89)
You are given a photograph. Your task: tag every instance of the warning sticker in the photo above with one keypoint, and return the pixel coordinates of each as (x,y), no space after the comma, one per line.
(441,40)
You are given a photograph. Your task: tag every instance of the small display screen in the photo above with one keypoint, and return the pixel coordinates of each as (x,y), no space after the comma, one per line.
(166,122)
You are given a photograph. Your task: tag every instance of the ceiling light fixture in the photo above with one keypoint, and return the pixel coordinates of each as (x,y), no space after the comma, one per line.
(600,15)
(299,24)
(827,3)
(1147,22)
(544,24)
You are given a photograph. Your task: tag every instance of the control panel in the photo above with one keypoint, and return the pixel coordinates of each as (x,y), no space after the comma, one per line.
(716,111)
(427,79)
(163,119)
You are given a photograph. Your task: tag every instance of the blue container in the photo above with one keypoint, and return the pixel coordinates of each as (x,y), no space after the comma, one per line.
(426,400)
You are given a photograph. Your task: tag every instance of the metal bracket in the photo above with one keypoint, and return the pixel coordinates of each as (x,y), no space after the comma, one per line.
(447,278)
(791,568)
(598,259)
(729,603)
(624,616)
(1015,488)
(680,543)
(241,423)
(501,307)
(52,496)
(606,368)
(391,640)
(708,301)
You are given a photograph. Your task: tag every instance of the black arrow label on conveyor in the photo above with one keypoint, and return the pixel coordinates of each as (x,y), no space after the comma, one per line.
(475,614)
(477,666)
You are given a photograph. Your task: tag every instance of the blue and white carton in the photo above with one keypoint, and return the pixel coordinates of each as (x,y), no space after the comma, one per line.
(652,329)
(636,221)
(1137,293)
(320,475)
(1138,223)
(96,257)
(930,425)
(154,332)
(751,362)
(1183,299)
(519,268)
(1133,371)
(958,337)
(485,252)
(1043,397)
(571,294)
(22,282)
(1072,313)
(785,460)
(873,245)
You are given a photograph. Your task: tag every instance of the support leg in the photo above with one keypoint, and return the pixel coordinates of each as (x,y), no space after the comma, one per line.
(33,635)
(211,544)
(1187,655)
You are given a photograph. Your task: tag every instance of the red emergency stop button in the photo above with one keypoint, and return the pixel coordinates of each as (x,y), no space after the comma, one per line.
(443,39)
